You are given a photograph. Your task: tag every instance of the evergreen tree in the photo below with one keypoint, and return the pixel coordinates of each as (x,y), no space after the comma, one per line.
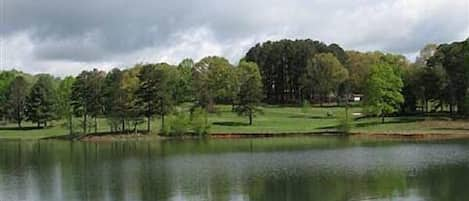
(41,103)
(146,93)
(116,99)
(156,91)
(87,97)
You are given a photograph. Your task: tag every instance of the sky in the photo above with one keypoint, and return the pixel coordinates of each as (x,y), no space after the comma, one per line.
(64,37)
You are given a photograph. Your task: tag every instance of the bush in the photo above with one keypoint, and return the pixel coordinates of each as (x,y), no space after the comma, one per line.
(179,124)
(345,124)
(305,107)
(199,122)
(165,129)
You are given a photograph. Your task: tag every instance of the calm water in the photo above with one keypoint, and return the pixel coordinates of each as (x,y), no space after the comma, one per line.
(315,168)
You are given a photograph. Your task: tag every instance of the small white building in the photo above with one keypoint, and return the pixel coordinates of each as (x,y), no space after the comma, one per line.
(357,97)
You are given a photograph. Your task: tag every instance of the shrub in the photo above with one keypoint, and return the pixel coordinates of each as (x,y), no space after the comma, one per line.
(199,122)
(305,107)
(345,124)
(179,124)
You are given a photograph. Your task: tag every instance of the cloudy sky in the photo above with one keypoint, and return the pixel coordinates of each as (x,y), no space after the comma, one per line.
(65,36)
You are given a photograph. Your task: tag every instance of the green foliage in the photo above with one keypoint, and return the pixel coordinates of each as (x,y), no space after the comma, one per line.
(16,99)
(283,63)
(214,80)
(155,95)
(118,104)
(345,123)
(250,92)
(454,59)
(41,103)
(384,86)
(183,89)
(87,96)
(179,124)
(199,121)
(324,74)
(305,106)
(6,77)
(284,72)
(64,92)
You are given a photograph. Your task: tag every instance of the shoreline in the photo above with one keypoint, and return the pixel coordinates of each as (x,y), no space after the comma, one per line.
(422,136)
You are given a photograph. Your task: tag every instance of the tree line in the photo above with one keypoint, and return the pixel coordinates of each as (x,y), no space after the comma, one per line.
(273,72)
(130,97)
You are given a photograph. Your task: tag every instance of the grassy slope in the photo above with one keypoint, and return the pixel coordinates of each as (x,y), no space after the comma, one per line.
(278,120)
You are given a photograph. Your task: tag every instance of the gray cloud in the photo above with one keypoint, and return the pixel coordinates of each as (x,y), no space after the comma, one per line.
(40,35)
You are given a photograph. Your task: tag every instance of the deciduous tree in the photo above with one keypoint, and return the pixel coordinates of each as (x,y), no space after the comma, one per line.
(383,93)
(250,93)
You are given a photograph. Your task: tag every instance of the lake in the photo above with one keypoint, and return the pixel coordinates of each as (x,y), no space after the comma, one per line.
(293,168)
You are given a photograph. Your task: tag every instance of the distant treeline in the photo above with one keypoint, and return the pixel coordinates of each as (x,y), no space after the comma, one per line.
(274,72)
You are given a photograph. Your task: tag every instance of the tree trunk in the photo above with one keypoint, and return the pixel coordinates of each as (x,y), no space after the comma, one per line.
(162,114)
(250,118)
(38,124)
(95,125)
(123,126)
(148,124)
(84,124)
(162,121)
(382,118)
(70,125)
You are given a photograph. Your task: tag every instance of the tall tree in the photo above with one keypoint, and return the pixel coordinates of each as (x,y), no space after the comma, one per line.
(214,79)
(250,93)
(454,59)
(184,91)
(41,103)
(130,84)
(324,74)
(383,93)
(16,99)
(95,90)
(80,99)
(165,89)
(283,63)
(359,66)
(87,97)
(6,77)
(64,93)
(156,91)
(116,99)
(146,93)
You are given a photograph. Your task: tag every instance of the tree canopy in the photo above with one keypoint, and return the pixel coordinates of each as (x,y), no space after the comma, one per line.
(383,93)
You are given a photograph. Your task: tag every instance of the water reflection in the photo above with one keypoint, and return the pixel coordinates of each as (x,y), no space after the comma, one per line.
(224,170)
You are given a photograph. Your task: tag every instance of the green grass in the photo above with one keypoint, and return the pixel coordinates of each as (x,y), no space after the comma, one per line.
(275,120)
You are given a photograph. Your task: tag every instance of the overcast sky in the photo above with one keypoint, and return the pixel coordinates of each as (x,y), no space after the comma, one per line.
(66,36)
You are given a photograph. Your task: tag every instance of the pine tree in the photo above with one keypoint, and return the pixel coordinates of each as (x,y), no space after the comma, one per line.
(41,103)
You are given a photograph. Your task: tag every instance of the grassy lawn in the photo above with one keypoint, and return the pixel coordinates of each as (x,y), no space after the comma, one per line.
(276,120)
